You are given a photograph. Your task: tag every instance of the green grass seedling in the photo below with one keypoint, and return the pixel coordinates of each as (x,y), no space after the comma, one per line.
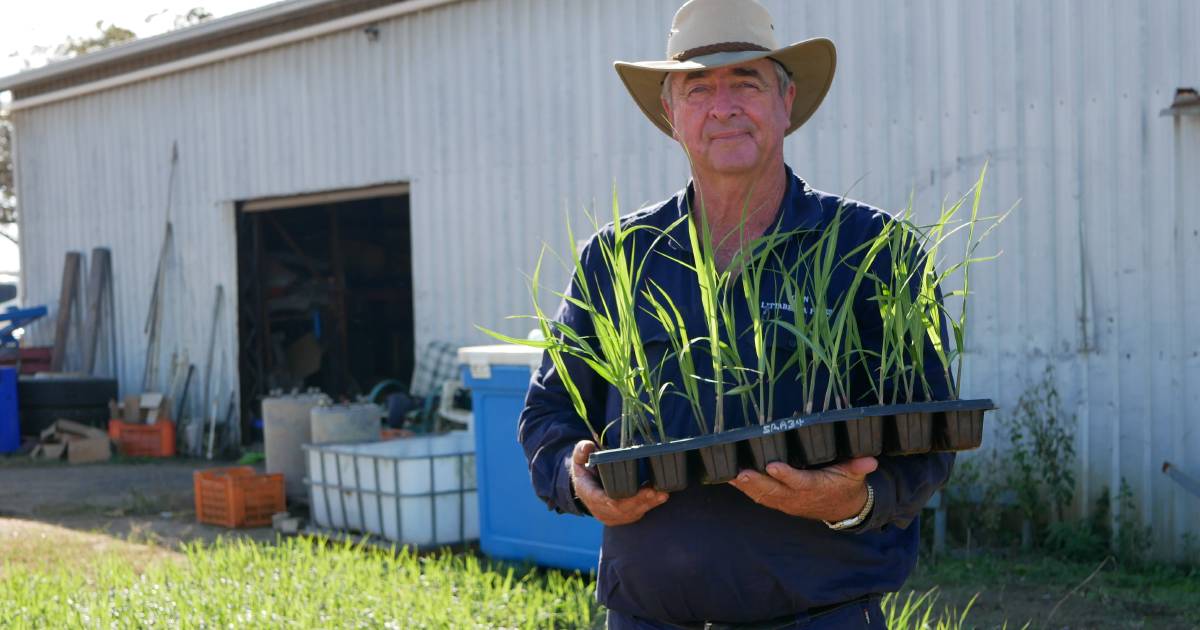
(615,350)
(757,262)
(825,325)
(910,298)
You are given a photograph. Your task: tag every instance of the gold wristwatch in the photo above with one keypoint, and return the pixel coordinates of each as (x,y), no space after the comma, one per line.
(857,519)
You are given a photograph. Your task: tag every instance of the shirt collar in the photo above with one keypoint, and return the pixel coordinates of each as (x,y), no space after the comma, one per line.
(799,210)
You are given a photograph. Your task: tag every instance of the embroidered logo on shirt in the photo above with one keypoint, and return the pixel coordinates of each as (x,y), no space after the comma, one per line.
(776,307)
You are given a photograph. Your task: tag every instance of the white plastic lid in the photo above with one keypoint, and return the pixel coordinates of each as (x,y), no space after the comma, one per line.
(501,354)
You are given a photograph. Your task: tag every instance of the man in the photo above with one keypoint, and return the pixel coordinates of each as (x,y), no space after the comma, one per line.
(791,548)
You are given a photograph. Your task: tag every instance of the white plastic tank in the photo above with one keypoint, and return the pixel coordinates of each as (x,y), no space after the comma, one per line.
(417,491)
(287,424)
(354,422)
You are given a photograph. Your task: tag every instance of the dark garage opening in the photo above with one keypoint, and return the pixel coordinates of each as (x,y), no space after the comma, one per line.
(325,294)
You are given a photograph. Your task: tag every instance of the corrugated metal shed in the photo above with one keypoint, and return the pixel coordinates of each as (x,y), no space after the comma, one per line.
(505,114)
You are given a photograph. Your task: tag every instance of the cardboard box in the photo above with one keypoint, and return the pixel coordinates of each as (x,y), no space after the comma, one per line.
(86,450)
(81,444)
(145,408)
(48,451)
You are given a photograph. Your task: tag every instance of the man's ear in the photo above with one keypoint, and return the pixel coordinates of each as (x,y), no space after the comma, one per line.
(670,118)
(789,98)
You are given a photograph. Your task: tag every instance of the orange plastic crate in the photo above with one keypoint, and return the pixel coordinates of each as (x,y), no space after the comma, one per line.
(143,440)
(237,496)
(386,434)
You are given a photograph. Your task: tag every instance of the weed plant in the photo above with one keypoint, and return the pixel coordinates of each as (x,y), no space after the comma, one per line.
(1042,450)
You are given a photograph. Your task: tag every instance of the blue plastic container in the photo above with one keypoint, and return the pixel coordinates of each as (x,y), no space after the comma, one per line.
(10,427)
(513,523)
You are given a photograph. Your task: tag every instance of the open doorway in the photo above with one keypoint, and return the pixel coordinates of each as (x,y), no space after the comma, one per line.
(325,293)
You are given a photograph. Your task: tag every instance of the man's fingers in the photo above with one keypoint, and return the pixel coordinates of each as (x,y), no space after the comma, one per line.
(624,511)
(756,485)
(645,500)
(587,486)
(583,450)
(584,479)
(606,509)
(856,468)
(791,477)
(589,490)
(823,493)
(777,472)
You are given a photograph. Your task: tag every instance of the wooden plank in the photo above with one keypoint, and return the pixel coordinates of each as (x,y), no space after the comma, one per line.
(154,316)
(66,303)
(99,283)
(323,198)
(212,342)
(132,409)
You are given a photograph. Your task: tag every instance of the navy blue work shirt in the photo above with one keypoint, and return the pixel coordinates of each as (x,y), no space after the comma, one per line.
(710,553)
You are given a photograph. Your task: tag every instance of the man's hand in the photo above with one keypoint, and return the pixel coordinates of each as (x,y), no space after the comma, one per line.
(832,493)
(611,512)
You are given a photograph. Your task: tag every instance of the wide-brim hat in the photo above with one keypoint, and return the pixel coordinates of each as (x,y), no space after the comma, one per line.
(707,34)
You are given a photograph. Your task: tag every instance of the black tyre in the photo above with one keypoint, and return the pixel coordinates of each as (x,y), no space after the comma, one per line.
(65,391)
(33,421)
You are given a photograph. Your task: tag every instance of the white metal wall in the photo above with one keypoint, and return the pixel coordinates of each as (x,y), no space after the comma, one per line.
(505,115)
(1097,275)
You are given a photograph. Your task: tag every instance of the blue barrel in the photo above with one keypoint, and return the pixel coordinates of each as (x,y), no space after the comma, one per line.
(513,523)
(10,427)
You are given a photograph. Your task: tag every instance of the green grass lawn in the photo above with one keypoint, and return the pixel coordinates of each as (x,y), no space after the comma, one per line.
(54,577)
(298,583)
(301,583)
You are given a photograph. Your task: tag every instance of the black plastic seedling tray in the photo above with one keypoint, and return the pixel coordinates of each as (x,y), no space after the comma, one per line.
(801,441)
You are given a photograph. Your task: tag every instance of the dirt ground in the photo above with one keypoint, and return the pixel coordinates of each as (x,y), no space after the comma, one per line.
(1011,600)
(142,501)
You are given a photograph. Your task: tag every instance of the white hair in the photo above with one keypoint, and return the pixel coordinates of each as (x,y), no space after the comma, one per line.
(782,76)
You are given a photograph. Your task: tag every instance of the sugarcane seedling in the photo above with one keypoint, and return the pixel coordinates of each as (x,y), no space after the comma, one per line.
(815,315)
(910,298)
(614,349)
(662,307)
(711,283)
(556,341)
(951,358)
(759,262)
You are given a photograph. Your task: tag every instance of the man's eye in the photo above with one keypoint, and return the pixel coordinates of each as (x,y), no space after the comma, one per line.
(697,89)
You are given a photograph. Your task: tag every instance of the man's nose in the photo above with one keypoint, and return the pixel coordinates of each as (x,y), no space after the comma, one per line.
(725,104)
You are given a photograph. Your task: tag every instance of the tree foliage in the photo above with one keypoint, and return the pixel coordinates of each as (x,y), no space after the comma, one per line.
(193,17)
(8,199)
(107,35)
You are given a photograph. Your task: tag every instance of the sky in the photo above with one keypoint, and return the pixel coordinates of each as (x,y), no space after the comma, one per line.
(27,24)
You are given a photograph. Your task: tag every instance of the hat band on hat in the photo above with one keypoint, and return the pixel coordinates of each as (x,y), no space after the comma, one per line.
(718,48)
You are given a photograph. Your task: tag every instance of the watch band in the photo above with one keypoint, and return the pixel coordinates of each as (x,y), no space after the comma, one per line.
(857,519)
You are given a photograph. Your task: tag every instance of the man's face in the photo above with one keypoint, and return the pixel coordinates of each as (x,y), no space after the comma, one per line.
(731,120)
